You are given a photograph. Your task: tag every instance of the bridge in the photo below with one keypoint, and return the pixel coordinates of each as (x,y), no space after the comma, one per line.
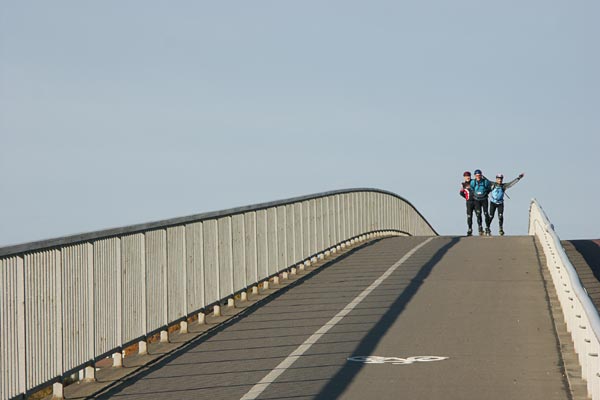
(348,294)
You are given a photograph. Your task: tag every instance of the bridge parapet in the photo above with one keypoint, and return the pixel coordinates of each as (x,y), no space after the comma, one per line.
(581,316)
(69,302)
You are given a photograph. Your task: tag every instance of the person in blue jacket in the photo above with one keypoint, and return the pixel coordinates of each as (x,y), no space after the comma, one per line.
(497,191)
(481,188)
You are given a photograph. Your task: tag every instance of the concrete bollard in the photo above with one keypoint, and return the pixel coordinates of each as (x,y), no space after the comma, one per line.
(217,311)
(327,253)
(58,391)
(183,327)
(244,296)
(117,359)
(254,289)
(142,347)
(89,374)
(201,318)
(285,275)
(276,280)
(266,284)
(231,302)
(164,336)
(293,271)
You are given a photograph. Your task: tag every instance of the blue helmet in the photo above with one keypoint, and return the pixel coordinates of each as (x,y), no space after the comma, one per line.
(477,172)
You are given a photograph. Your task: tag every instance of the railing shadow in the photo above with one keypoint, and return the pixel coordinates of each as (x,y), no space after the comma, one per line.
(340,381)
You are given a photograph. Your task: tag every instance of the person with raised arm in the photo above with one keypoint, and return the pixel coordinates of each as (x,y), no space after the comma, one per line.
(497,192)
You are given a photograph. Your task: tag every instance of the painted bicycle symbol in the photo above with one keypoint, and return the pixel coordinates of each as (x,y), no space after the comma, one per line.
(395,360)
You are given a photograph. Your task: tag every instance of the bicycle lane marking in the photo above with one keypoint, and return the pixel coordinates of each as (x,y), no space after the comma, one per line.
(264,383)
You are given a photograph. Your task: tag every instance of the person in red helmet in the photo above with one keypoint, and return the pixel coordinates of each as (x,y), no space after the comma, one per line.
(467,192)
(497,192)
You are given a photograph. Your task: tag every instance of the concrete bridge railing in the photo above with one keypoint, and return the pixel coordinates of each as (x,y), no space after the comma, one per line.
(66,303)
(581,316)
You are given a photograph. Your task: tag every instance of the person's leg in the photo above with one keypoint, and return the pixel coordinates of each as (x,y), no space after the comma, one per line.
(470,207)
(492,211)
(484,205)
(477,204)
(501,218)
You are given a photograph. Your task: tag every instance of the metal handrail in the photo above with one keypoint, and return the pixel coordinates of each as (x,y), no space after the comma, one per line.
(84,297)
(137,228)
(579,310)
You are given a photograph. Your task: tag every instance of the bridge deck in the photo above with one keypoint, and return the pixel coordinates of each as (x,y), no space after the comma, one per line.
(480,302)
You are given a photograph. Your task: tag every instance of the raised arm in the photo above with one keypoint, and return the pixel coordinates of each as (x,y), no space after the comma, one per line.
(514,181)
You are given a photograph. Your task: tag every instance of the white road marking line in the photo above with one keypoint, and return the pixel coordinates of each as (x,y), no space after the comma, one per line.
(285,364)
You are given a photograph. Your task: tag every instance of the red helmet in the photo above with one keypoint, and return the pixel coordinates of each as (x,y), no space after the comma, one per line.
(466,173)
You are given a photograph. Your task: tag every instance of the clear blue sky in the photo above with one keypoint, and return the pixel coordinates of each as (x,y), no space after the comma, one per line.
(120,112)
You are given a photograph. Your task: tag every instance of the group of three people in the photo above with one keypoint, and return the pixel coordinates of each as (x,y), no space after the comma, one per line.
(476,192)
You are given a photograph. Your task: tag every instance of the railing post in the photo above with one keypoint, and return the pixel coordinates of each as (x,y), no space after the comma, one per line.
(21,317)
(89,374)
(142,347)
(58,391)
(183,327)
(91,303)
(117,359)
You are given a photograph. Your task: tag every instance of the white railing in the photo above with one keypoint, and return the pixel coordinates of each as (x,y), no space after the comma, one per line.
(69,302)
(581,316)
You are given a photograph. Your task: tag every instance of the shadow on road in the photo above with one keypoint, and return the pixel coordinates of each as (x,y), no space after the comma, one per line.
(590,251)
(338,384)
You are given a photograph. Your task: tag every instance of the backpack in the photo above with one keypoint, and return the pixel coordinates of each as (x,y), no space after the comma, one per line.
(480,189)
(497,194)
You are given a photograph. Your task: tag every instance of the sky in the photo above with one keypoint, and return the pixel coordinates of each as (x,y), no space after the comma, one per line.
(121,112)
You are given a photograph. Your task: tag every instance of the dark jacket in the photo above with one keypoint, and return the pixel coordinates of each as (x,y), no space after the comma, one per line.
(466,191)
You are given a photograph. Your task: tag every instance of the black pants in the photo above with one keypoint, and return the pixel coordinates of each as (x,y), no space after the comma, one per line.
(500,207)
(470,209)
(479,206)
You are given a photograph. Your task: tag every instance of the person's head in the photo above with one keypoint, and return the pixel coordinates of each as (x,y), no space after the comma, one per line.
(467,176)
(499,178)
(478,174)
